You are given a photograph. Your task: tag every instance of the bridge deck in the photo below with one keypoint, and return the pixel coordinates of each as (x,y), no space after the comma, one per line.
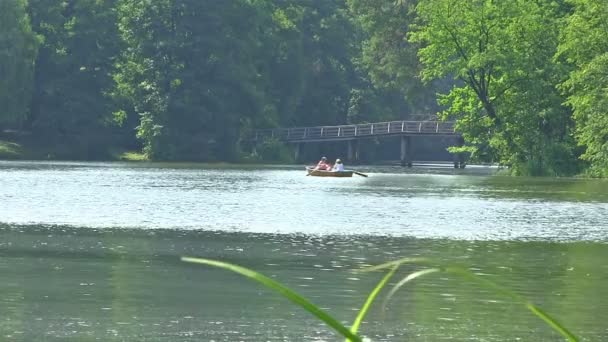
(350,132)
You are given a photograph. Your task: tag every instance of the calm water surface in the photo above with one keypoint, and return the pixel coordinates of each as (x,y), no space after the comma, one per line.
(89,252)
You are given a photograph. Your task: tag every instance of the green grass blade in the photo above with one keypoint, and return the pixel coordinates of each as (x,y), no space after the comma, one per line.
(406,280)
(468,275)
(552,322)
(390,264)
(499,289)
(370,299)
(283,290)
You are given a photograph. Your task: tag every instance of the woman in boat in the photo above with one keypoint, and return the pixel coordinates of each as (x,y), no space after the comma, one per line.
(322,165)
(338,166)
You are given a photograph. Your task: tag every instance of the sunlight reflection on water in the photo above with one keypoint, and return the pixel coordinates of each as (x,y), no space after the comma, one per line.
(286,201)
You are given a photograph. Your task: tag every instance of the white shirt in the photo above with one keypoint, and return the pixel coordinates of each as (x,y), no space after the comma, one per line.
(339,167)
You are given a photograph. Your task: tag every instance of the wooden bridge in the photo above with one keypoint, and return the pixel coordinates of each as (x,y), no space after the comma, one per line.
(353,133)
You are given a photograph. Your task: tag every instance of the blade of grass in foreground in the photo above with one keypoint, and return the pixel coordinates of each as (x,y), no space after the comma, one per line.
(552,322)
(370,299)
(405,280)
(283,290)
(468,275)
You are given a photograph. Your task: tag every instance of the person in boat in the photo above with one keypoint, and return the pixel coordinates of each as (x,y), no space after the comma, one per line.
(322,165)
(338,166)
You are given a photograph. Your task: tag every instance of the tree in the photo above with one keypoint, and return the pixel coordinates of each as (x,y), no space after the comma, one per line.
(18,48)
(390,60)
(505,101)
(189,70)
(311,70)
(70,105)
(201,74)
(583,45)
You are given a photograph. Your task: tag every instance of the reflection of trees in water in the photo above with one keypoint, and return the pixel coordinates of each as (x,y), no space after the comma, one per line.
(567,189)
(447,306)
(12,302)
(132,274)
(582,291)
(128,280)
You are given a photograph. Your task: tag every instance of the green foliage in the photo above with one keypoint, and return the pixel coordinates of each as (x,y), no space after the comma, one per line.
(190,72)
(371,298)
(69,105)
(392,266)
(200,73)
(131,156)
(189,80)
(583,45)
(469,276)
(10,150)
(309,53)
(505,100)
(284,291)
(18,49)
(388,58)
(274,150)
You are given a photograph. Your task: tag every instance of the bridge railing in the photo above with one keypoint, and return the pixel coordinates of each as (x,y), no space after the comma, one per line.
(359,130)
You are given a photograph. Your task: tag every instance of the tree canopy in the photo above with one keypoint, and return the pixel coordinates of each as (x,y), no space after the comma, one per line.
(189,80)
(18,48)
(505,98)
(583,45)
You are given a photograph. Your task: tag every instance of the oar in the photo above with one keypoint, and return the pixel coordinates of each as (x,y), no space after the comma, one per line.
(360,174)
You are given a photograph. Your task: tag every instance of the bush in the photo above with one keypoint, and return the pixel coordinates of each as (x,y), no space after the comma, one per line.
(273,150)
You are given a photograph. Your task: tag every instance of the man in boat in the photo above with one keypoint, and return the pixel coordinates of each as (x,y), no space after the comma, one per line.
(338,166)
(322,165)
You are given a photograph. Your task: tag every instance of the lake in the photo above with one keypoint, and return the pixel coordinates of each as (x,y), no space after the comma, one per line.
(90,252)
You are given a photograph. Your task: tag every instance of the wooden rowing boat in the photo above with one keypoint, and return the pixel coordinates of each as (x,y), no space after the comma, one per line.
(320,173)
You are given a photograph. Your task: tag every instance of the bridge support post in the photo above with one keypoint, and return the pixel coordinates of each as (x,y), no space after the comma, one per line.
(296,152)
(459,162)
(353,150)
(406,151)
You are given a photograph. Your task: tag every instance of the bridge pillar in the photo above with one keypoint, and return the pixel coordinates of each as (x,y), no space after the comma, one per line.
(296,152)
(353,150)
(459,157)
(406,151)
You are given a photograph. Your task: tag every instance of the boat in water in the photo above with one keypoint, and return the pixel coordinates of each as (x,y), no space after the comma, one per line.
(322,173)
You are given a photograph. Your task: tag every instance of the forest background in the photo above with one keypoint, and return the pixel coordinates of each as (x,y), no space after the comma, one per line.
(189,80)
